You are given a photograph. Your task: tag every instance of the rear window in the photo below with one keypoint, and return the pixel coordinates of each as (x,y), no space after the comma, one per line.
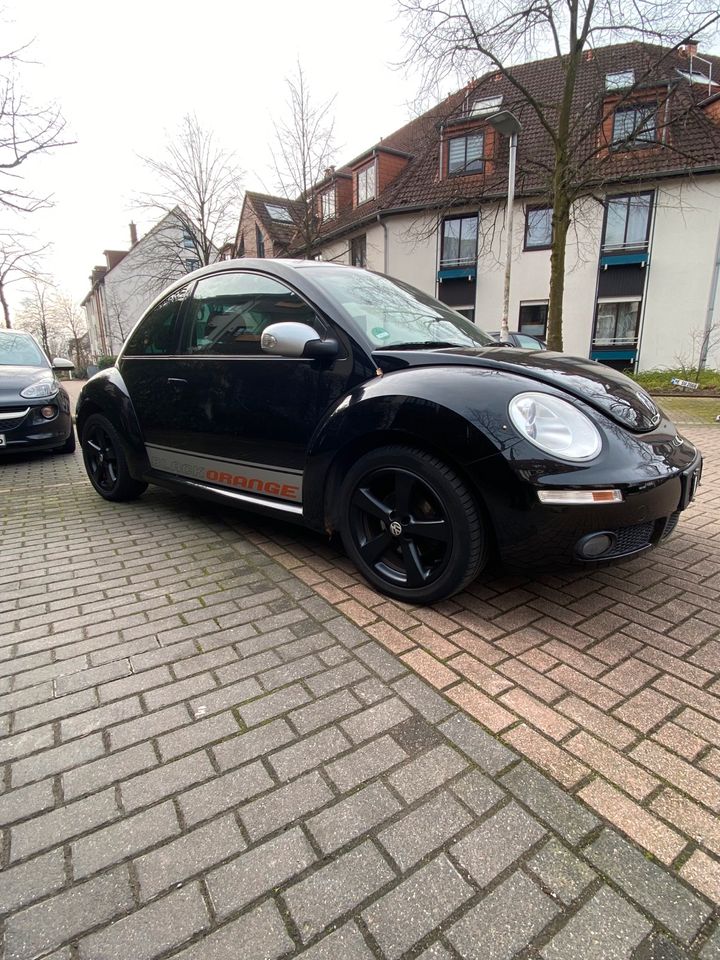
(17,350)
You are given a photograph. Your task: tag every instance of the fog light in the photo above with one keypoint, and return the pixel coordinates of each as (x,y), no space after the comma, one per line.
(48,412)
(595,545)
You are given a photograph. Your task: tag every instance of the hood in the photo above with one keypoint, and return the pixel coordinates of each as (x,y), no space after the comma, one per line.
(610,392)
(15,379)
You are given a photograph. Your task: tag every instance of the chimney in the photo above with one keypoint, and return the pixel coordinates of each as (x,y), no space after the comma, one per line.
(329,171)
(690,49)
(133,234)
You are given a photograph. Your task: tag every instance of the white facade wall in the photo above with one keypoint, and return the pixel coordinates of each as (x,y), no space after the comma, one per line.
(684,245)
(129,288)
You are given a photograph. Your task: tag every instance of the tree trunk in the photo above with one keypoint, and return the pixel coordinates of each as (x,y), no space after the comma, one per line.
(6,308)
(560,227)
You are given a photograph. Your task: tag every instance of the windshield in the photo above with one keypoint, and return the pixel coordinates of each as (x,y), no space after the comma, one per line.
(17,350)
(392,314)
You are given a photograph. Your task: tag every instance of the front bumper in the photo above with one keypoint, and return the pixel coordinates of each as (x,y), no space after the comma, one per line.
(545,535)
(22,428)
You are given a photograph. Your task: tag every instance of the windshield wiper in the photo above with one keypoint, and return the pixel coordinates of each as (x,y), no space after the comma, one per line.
(419,344)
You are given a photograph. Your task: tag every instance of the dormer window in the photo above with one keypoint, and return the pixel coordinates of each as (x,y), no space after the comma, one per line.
(485,106)
(635,125)
(366,184)
(465,154)
(327,205)
(620,81)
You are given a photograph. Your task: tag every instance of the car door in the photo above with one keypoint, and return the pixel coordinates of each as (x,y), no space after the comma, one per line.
(247,416)
(147,366)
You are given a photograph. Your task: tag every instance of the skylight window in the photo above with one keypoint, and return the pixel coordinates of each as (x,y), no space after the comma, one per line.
(619,81)
(276,212)
(485,106)
(697,77)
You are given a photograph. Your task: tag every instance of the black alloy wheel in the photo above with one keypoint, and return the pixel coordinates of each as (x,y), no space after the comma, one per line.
(411,525)
(105,461)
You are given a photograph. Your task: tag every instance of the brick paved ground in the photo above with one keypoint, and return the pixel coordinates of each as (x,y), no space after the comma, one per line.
(215,743)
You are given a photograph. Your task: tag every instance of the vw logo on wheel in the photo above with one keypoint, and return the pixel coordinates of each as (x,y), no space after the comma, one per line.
(395,528)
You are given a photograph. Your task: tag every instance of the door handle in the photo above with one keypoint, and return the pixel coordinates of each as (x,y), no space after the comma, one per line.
(177,381)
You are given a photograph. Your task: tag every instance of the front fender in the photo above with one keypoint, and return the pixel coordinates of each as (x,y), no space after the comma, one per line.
(107,394)
(458,414)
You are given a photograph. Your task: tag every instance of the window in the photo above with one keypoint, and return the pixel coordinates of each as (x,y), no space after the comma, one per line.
(619,81)
(276,212)
(358,251)
(486,106)
(467,312)
(465,154)
(327,205)
(634,126)
(188,240)
(627,221)
(155,334)
(193,264)
(259,241)
(616,324)
(459,241)
(228,313)
(533,318)
(538,228)
(366,184)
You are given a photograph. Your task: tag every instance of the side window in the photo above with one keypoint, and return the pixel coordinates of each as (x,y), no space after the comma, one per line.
(228,313)
(155,336)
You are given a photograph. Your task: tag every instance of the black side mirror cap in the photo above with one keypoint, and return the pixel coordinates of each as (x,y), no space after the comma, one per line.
(321,349)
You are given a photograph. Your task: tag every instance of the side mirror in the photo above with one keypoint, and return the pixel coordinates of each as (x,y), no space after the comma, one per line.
(60,363)
(291,339)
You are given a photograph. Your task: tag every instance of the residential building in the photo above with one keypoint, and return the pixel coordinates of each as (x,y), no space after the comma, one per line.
(267,226)
(427,204)
(129,281)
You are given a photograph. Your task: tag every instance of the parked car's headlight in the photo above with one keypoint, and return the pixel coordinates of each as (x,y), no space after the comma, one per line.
(555,426)
(41,388)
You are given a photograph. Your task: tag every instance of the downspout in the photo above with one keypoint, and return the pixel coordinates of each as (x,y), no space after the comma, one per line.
(386,257)
(711,307)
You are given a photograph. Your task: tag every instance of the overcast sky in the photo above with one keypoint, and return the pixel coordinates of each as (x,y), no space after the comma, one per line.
(125,74)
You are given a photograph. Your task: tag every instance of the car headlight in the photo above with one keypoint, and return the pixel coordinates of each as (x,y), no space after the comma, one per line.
(555,426)
(41,388)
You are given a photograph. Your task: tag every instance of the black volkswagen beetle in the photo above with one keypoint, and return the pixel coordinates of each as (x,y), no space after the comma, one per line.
(34,406)
(352,402)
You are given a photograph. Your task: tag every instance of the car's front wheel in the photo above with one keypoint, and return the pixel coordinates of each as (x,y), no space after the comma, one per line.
(105,461)
(411,525)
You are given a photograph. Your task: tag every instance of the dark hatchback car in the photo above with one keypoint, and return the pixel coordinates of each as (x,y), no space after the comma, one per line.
(34,406)
(522,340)
(351,402)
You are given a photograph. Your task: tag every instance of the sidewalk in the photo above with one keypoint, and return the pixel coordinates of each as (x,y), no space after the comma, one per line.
(206,759)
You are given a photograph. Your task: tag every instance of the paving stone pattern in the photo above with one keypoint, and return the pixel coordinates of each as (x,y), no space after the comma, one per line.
(205,753)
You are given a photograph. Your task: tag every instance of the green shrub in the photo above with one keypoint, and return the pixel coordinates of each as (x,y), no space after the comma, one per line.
(104,362)
(660,379)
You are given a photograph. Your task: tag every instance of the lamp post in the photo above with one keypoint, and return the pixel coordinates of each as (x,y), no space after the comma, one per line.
(508,125)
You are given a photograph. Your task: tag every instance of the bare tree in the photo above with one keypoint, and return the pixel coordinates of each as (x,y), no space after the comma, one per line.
(201,183)
(304,150)
(458,38)
(27,129)
(19,253)
(69,318)
(38,316)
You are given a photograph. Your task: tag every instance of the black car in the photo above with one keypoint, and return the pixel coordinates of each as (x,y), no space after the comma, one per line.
(523,340)
(34,406)
(351,402)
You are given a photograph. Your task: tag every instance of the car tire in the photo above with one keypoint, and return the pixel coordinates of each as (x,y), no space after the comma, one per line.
(411,526)
(105,461)
(70,444)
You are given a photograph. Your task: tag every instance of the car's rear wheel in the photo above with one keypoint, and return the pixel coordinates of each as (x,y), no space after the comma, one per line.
(105,461)
(69,445)
(411,525)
